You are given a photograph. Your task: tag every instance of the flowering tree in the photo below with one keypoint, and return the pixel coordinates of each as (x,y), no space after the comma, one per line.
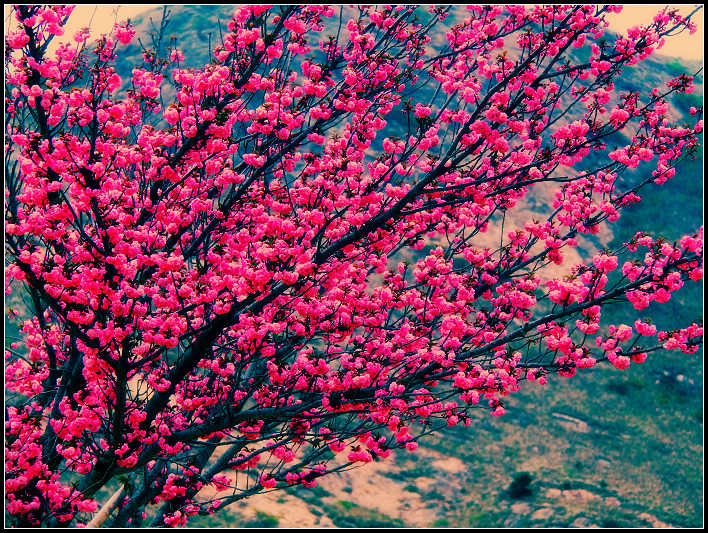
(300,257)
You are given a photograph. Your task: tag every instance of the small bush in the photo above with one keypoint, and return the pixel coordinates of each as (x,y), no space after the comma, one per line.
(520,486)
(433,494)
(348,506)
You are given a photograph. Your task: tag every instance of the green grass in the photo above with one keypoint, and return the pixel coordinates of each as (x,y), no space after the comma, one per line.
(311,495)
(262,520)
(230,519)
(351,515)
(225,518)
